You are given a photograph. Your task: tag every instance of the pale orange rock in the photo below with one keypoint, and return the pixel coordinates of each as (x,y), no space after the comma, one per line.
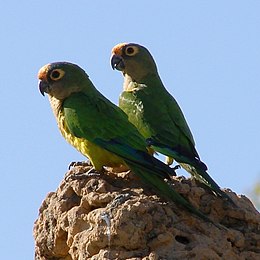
(115,216)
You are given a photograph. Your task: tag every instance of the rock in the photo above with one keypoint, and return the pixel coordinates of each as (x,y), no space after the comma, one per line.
(115,216)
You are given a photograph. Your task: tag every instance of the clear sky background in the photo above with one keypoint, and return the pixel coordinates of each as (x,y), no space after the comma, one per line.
(208,55)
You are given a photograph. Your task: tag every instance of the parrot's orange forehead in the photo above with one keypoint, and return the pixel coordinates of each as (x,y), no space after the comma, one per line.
(42,74)
(118,48)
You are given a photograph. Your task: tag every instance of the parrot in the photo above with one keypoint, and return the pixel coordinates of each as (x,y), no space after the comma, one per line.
(101,131)
(156,113)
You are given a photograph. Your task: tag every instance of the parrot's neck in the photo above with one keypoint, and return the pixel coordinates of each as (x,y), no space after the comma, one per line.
(56,105)
(131,85)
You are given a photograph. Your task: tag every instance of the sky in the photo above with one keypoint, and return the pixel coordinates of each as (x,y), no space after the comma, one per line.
(208,57)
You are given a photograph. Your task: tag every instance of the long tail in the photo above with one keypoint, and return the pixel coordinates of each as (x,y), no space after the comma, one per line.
(192,165)
(204,177)
(153,180)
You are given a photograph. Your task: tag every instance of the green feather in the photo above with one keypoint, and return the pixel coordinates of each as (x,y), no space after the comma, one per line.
(90,116)
(155,112)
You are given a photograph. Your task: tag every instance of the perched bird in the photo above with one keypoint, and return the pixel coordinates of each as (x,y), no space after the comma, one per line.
(100,130)
(155,112)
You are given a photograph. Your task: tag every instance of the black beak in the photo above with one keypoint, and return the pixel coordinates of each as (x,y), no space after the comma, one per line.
(43,87)
(117,62)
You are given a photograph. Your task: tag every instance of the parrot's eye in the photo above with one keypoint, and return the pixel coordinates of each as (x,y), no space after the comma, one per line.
(131,50)
(57,74)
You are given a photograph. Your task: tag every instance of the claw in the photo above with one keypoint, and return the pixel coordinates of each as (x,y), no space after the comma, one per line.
(74,164)
(176,167)
(82,175)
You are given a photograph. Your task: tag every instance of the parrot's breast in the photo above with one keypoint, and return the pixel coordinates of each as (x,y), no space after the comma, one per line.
(97,155)
(132,103)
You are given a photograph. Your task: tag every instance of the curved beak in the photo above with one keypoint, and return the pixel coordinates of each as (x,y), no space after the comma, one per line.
(117,62)
(43,87)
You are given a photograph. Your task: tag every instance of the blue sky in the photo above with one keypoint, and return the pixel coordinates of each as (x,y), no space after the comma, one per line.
(208,56)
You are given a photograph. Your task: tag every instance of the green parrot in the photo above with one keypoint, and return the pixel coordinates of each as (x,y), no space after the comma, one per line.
(100,130)
(155,113)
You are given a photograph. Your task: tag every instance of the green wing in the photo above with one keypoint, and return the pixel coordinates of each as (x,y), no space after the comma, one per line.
(163,124)
(160,119)
(104,124)
(98,120)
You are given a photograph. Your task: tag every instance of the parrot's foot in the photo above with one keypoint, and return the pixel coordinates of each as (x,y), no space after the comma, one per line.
(82,175)
(83,163)
(173,170)
(176,167)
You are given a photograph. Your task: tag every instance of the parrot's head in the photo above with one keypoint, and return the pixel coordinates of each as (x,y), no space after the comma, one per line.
(61,79)
(134,60)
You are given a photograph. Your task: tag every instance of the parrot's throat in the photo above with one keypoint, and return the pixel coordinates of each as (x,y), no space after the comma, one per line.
(130,85)
(56,106)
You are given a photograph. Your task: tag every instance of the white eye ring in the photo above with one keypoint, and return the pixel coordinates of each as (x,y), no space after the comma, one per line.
(131,50)
(57,74)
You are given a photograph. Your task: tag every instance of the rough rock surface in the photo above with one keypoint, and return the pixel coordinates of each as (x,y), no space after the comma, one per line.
(115,216)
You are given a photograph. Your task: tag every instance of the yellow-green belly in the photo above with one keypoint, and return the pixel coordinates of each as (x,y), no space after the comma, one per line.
(98,156)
